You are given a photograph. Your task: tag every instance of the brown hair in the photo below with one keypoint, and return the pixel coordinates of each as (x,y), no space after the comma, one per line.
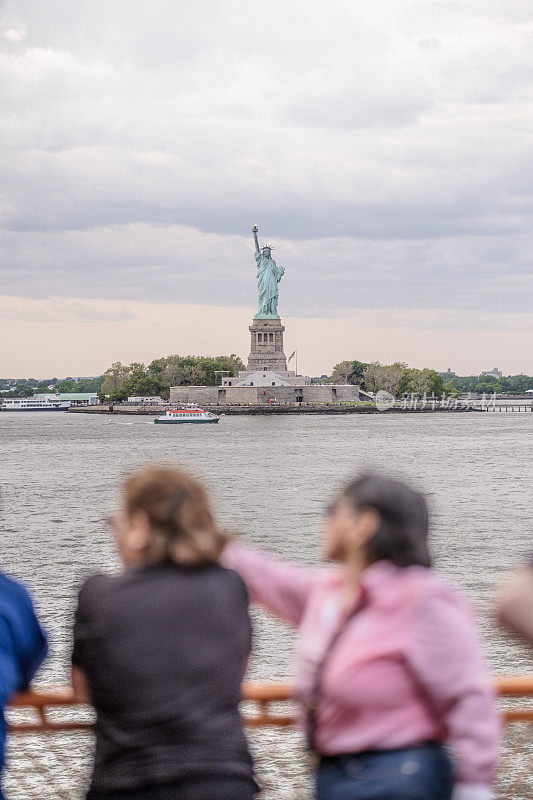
(183,529)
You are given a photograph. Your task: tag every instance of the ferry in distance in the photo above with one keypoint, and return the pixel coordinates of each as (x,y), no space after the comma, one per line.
(187,413)
(50,403)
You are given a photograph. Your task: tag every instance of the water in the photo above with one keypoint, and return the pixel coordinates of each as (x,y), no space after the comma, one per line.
(271,477)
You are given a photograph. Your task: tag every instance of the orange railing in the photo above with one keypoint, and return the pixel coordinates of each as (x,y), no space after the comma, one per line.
(49,757)
(518,686)
(263,697)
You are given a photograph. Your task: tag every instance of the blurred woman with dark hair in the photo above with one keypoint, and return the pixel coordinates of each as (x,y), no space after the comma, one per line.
(388,664)
(160,651)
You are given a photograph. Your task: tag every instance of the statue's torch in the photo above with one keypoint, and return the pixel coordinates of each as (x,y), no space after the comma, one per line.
(254,231)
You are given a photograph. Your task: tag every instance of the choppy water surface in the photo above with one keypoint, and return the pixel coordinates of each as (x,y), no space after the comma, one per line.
(271,477)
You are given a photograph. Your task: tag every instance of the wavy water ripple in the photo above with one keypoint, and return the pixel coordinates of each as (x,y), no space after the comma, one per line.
(271,477)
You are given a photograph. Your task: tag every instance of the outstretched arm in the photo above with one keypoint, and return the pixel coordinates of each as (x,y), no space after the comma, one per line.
(280,586)
(254,231)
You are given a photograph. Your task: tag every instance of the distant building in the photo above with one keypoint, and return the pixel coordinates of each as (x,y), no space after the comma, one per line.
(81,398)
(448,374)
(258,378)
(265,378)
(493,373)
(75,398)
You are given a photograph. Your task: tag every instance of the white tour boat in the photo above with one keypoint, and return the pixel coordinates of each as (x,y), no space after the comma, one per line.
(187,413)
(50,403)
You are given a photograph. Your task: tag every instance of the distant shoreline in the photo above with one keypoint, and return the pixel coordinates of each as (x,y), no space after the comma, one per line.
(266,410)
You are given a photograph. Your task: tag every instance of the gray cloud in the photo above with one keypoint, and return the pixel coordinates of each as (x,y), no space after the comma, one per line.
(324,276)
(384,149)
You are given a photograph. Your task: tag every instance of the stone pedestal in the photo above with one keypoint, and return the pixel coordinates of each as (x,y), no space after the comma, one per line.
(266,351)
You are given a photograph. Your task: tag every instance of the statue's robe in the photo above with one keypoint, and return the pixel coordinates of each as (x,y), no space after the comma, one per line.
(268,277)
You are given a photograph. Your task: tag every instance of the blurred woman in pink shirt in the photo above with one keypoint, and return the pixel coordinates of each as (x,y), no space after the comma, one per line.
(388,666)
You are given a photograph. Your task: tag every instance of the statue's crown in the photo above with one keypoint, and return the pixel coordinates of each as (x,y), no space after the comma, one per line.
(267,247)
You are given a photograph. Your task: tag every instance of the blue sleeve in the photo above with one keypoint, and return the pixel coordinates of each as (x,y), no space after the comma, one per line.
(23,643)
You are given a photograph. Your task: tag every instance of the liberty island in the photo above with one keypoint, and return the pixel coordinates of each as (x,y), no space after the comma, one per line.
(267,385)
(267,379)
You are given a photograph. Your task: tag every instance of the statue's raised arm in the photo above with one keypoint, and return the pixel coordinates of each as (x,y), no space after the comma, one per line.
(255,230)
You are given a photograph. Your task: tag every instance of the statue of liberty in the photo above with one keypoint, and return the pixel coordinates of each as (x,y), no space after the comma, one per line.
(268,277)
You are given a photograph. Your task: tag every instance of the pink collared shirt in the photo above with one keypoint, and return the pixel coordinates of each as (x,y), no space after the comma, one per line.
(407,669)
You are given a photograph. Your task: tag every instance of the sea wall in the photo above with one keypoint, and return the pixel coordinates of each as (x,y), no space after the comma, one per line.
(293,408)
(305,393)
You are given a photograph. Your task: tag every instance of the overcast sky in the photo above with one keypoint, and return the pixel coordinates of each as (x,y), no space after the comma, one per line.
(384,149)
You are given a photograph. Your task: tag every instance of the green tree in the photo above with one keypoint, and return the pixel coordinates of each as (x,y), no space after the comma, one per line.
(437,384)
(421,381)
(178,370)
(23,389)
(66,385)
(342,372)
(138,384)
(114,377)
(465,383)
(383,376)
(348,372)
(136,366)
(232,364)
(516,384)
(90,384)
(121,381)
(485,387)
(182,371)
(156,367)
(359,372)
(450,389)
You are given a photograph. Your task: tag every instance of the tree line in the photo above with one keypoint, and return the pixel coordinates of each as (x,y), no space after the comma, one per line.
(137,380)
(26,387)
(121,381)
(511,384)
(399,379)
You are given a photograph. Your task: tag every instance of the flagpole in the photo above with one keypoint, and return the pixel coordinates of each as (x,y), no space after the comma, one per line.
(294,354)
